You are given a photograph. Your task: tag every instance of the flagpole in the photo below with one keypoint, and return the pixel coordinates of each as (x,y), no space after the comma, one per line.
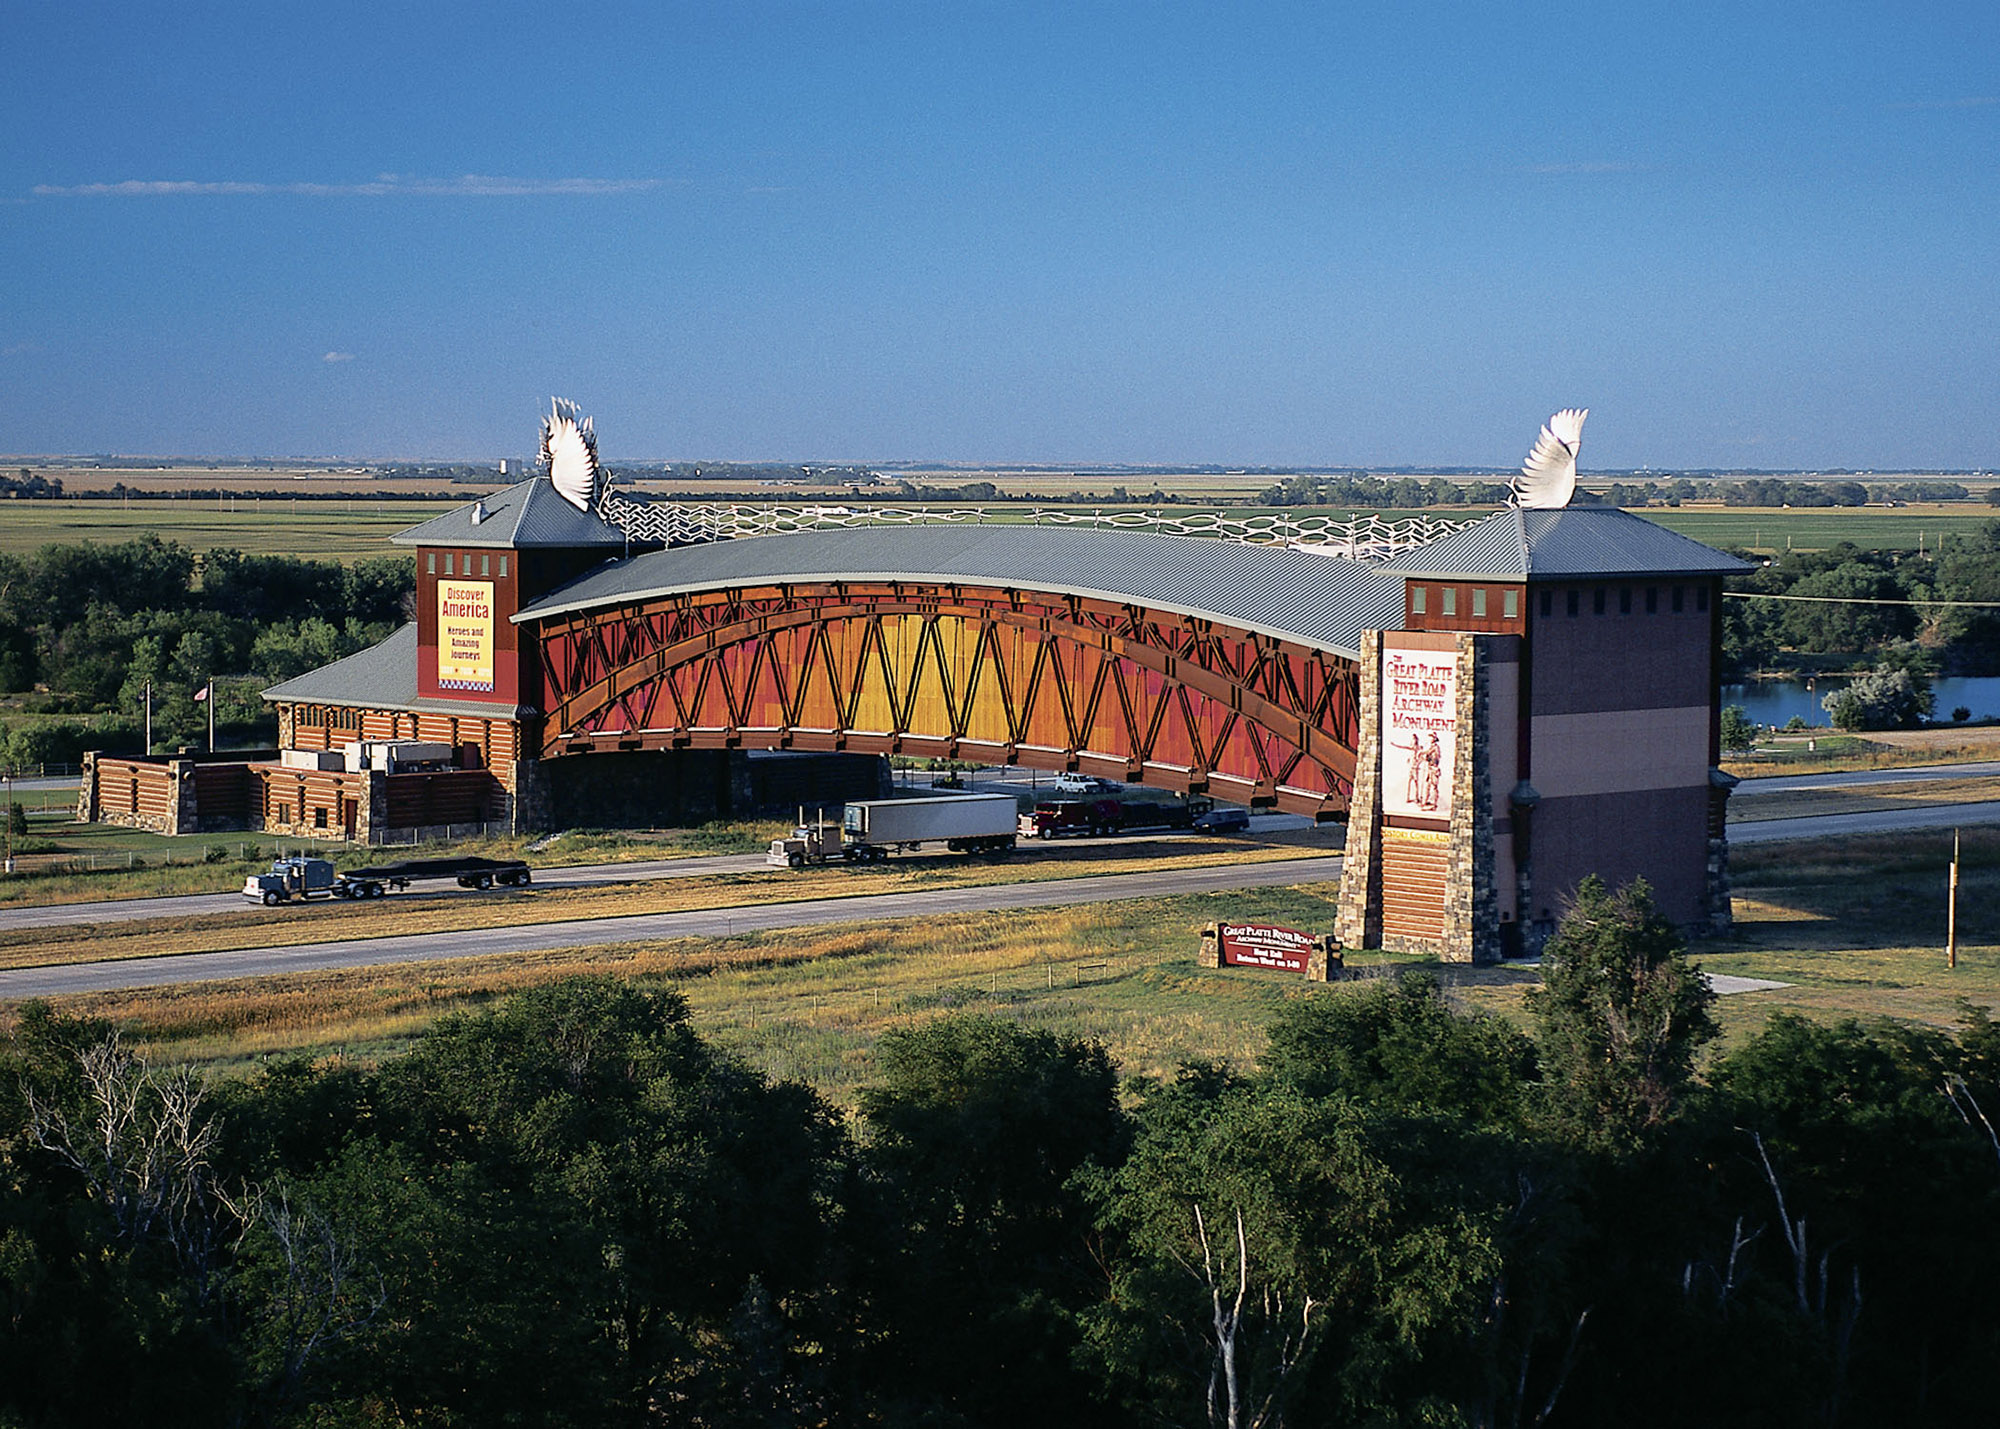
(211,714)
(149,716)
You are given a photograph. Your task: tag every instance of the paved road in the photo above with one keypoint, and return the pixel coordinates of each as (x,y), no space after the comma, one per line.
(583,875)
(706,923)
(1916,774)
(125,910)
(1875,821)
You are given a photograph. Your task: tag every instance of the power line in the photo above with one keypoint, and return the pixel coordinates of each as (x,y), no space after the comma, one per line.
(1857,600)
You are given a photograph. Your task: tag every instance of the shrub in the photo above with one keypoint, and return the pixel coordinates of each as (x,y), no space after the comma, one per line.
(1887,699)
(1737,731)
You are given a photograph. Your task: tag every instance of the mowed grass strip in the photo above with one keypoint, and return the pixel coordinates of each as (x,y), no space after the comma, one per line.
(1860,798)
(401,915)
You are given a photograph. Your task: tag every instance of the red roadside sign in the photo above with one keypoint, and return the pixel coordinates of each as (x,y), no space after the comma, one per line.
(1264,945)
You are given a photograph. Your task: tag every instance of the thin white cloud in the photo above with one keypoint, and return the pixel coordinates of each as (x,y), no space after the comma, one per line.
(1596,167)
(338,357)
(1973,101)
(18,348)
(384,185)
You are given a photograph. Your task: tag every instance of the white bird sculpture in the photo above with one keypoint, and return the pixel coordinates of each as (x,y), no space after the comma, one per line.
(569,454)
(1548,476)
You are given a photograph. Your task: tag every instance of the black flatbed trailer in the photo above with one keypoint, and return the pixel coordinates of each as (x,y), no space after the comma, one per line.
(469,872)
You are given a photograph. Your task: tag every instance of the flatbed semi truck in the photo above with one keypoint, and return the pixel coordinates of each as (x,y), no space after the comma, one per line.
(871,829)
(307,878)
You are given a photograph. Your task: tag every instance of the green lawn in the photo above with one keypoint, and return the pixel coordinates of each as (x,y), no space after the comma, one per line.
(1817,528)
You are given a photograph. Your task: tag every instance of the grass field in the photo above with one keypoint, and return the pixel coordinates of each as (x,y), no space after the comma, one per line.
(342,529)
(1855,926)
(1772,532)
(347,528)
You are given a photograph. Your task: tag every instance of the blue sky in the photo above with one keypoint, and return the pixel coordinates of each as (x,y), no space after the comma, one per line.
(1316,234)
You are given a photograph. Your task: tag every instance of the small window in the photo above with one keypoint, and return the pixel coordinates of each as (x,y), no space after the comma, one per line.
(483,561)
(448,561)
(430,563)
(1548,603)
(1701,597)
(319,818)
(1652,600)
(1597,601)
(503,565)
(1417,593)
(1679,591)
(1572,602)
(1479,600)
(1451,600)
(1510,604)
(1625,600)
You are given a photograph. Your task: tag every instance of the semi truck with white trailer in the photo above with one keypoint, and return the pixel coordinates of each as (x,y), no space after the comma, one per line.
(871,829)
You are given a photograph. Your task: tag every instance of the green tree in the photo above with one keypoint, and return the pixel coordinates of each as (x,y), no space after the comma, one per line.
(975,1132)
(1738,733)
(1267,1266)
(1885,699)
(1619,1017)
(1399,1046)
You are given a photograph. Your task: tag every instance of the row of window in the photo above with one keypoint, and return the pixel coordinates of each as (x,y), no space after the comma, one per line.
(1510,600)
(451,563)
(1600,599)
(335,717)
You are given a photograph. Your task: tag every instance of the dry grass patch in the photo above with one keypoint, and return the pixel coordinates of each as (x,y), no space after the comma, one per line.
(806,1004)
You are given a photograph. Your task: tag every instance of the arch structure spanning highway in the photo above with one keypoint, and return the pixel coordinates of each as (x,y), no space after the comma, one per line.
(1181,663)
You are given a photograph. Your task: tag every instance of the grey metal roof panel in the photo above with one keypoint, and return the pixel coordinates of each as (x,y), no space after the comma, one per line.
(529,513)
(1554,545)
(382,677)
(1317,600)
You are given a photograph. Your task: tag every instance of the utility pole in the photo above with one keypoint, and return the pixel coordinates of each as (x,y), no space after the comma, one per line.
(1951,909)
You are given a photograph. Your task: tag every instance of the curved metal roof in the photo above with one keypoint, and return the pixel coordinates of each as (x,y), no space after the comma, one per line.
(1302,596)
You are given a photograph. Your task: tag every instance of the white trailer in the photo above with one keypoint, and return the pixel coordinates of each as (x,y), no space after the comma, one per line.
(871,829)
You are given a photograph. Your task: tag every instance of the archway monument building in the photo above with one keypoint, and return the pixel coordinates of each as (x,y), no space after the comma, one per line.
(1495,712)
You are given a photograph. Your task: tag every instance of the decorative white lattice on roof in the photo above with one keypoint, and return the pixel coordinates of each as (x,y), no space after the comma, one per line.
(680,523)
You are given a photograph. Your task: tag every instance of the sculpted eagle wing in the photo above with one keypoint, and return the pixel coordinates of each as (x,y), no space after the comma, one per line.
(569,454)
(1548,476)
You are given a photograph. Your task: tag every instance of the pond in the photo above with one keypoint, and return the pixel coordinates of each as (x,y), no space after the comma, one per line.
(1776,701)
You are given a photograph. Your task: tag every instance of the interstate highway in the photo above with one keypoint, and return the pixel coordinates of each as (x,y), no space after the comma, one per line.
(647,927)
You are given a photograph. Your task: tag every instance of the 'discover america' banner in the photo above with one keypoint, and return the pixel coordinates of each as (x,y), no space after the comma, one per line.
(465,635)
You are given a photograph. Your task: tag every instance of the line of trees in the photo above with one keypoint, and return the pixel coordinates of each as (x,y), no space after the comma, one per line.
(85,628)
(573,1209)
(1841,627)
